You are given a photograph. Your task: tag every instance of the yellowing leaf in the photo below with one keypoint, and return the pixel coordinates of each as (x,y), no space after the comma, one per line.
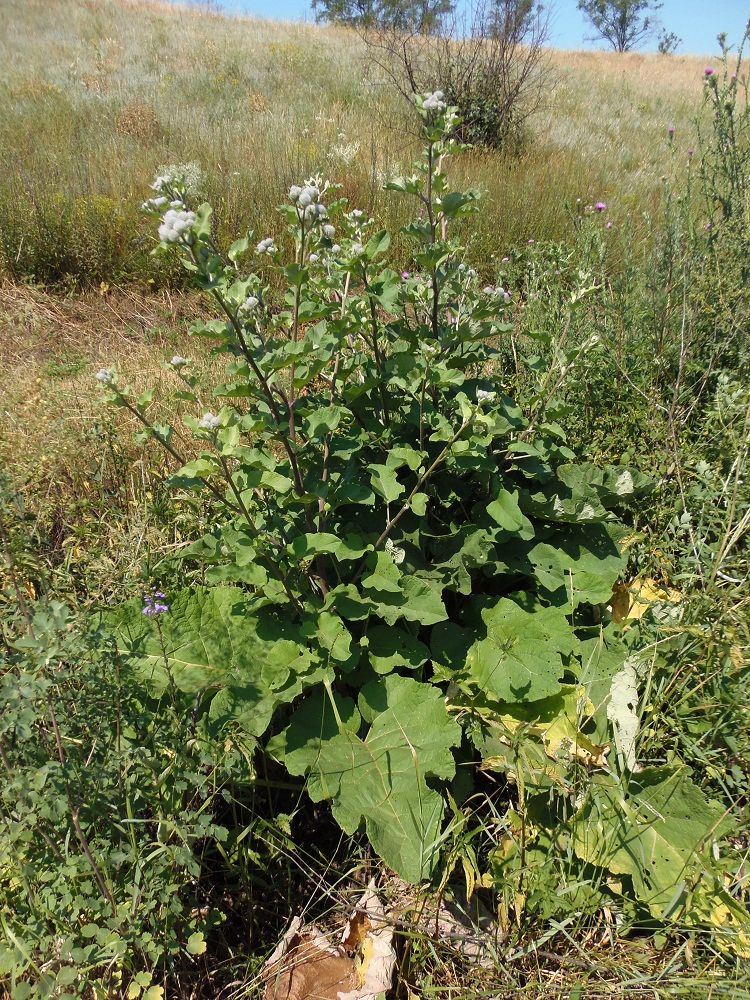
(557,722)
(631,602)
(722,912)
(196,944)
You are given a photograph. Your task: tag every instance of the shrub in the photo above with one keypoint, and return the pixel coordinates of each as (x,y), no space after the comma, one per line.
(488,63)
(409,573)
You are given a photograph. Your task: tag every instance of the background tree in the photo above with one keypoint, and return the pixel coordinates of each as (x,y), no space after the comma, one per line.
(624,24)
(669,42)
(422,16)
(488,59)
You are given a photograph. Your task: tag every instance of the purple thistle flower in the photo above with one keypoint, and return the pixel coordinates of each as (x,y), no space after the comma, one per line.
(601,206)
(405,275)
(708,71)
(671,131)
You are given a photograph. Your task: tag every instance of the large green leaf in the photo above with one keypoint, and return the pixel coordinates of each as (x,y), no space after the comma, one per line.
(394,647)
(521,657)
(208,639)
(381,777)
(653,828)
(418,601)
(204,636)
(584,564)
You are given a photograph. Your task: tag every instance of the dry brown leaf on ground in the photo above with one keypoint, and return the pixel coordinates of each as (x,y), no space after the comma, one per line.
(307,966)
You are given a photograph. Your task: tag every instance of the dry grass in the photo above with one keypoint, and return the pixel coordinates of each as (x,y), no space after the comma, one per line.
(260,104)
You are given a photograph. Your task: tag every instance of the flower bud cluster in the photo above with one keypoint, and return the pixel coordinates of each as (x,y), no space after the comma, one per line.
(209,422)
(307,201)
(497,291)
(176,223)
(483,396)
(154,604)
(105,376)
(266,246)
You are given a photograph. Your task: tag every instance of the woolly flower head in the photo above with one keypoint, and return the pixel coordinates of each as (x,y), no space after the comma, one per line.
(209,422)
(178,362)
(483,396)
(266,246)
(434,101)
(154,204)
(356,249)
(329,231)
(175,224)
(185,176)
(315,211)
(250,304)
(105,376)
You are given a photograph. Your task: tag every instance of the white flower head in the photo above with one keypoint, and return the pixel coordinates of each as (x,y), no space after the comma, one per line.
(329,231)
(179,362)
(175,224)
(483,396)
(434,101)
(335,248)
(186,176)
(105,376)
(154,204)
(314,257)
(294,192)
(471,273)
(356,213)
(506,296)
(209,422)
(357,249)
(250,303)
(266,246)
(161,182)
(489,290)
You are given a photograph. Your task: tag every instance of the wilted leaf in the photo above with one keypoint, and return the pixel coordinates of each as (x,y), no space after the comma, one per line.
(653,828)
(308,966)
(622,711)
(631,602)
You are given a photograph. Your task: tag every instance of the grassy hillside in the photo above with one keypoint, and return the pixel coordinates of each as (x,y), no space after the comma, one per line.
(98,94)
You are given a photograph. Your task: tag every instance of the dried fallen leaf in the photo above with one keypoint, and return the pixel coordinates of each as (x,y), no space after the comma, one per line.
(307,966)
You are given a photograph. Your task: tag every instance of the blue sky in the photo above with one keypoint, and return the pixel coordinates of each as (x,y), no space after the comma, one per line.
(697,22)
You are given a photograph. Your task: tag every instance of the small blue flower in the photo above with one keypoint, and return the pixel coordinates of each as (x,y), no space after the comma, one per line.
(154,604)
